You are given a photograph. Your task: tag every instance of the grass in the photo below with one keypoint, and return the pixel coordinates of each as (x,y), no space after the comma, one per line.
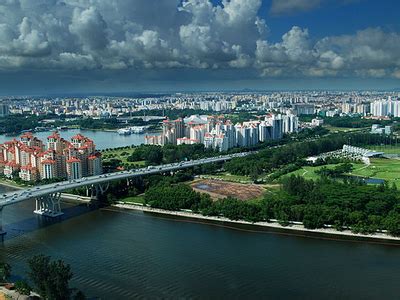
(134,199)
(121,154)
(386,169)
(229,177)
(388,149)
(343,129)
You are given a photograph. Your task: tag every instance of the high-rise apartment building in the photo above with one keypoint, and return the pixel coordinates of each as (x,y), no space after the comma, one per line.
(29,159)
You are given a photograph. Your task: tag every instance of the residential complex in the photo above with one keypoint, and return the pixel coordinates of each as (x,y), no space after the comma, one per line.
(217,132)
(326,103)
(31,159)
(382,108)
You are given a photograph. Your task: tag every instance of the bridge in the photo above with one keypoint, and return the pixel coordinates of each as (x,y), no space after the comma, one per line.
(48,196)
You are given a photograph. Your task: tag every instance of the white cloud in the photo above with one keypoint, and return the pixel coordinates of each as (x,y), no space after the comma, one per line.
(195,34)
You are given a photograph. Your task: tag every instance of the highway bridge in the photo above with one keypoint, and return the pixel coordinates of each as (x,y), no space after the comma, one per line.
(48,196)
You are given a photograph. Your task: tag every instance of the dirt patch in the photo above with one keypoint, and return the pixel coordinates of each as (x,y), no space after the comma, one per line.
(218,189)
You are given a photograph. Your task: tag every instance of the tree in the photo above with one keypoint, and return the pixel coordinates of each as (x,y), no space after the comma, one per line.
(392,223)
(5,271)
(79,296)
(51,278)
(23,288)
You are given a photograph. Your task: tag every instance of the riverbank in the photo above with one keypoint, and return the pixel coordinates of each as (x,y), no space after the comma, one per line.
(274,225)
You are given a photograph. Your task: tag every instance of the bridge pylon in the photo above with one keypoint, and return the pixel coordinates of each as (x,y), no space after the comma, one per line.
(95,190)
(49,205)
(2,232)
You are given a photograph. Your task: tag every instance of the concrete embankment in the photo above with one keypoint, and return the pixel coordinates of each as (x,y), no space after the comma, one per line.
(275,225)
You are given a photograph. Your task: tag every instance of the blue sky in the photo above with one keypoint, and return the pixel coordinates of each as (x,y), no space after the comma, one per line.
(337,17)
(58,46)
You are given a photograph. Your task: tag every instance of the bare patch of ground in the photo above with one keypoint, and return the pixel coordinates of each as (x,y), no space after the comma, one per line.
(218,189)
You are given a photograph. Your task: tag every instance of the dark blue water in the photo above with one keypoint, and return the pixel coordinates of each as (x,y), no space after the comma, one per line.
(120,254)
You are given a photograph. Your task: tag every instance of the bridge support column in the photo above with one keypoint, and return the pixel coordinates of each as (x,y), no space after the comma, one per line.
(97,189)
(2,233)
(49,205)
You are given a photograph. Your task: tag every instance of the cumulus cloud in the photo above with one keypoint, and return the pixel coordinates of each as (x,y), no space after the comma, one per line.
(65,35)
(369,53)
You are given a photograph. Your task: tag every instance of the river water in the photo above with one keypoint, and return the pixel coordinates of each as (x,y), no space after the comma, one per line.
(102,139)
(120,254)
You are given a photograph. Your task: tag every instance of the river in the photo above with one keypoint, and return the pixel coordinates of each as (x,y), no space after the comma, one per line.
(102,139)
(120,254)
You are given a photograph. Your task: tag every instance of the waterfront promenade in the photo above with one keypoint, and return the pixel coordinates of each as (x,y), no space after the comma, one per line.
(293,227)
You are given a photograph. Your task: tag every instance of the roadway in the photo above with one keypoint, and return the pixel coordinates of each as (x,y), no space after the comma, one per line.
(43,190)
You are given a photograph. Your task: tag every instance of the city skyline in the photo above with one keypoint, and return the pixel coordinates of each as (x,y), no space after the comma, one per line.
(53,47)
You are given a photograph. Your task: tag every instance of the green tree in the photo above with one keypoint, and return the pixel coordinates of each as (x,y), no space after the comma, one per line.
(79,296)
(5,271)
(50,278)
(23,288)
(392,223)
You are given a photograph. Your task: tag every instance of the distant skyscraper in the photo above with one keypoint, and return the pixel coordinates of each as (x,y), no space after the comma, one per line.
(4,109)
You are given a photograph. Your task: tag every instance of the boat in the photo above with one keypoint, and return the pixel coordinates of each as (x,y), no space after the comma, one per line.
(138,129)
(130,130)
(124,131)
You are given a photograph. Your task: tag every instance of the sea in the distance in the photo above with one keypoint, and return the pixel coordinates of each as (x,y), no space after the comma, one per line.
(120,254)
(102,139)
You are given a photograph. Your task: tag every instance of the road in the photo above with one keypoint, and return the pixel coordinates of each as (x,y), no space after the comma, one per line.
(43,190)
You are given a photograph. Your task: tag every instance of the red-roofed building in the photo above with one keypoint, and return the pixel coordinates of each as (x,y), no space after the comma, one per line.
(29,158)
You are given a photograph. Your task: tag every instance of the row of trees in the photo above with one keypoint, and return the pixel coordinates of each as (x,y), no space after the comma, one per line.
(348,204)
(363,208)
(154,155)
(353,122)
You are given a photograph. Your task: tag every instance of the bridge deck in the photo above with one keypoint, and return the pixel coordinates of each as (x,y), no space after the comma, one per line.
(43,190)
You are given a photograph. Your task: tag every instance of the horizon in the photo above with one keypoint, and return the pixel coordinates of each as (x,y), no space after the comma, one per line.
(118,46)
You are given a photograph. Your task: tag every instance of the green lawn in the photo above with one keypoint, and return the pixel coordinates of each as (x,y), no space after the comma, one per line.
(135,199)
(387,169)
(388,149)
(309,172)
(121,154)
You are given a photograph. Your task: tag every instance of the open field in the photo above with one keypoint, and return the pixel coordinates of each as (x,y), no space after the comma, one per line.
(218,189)
(388,149)
(386,169)
(308,172)
(228,177)
(121,154)
(344,129)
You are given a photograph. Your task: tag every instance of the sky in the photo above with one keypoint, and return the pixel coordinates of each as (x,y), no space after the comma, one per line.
(95,46)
